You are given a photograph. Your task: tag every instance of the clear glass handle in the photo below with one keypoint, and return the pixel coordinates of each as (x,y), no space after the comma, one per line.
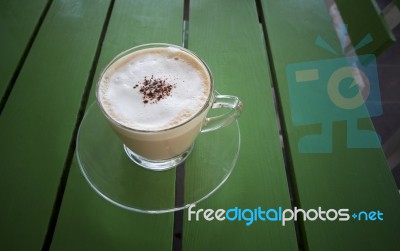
(234,106)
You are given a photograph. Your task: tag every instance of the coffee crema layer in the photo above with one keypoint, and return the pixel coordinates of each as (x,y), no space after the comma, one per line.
(154,88)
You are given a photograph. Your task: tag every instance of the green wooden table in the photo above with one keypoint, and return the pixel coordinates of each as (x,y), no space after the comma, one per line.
(54,51)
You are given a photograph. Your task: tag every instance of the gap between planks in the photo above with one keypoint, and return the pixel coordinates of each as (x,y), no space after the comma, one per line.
(294,200)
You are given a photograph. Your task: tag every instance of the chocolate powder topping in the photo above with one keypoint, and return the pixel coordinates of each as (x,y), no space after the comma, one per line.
(154,89)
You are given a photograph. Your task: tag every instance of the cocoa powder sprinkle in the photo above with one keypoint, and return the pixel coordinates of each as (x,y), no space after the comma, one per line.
(154,89)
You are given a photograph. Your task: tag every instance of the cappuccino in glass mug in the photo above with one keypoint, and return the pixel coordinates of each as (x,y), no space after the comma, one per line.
(156,98)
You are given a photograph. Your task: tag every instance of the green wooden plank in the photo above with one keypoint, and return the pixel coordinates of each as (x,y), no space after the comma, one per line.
(131,23)
(37,123)
(88,222)
(353,178)
(363,18)
(17,23)
(227,35)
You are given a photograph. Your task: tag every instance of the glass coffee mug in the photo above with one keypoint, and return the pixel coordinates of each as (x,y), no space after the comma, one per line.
(144,83)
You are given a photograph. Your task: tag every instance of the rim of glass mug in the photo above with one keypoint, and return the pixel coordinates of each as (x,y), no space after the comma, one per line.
(210,99)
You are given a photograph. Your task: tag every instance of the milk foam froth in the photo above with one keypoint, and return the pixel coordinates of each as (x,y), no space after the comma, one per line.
(123,101)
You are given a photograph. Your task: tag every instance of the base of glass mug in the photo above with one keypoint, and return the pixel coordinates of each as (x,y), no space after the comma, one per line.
(159,165)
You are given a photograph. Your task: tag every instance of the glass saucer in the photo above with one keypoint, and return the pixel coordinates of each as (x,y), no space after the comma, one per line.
(116,178)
